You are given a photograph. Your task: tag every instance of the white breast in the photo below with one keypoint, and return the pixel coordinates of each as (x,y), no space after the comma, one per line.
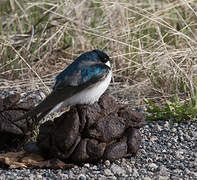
(90,95)
(87,96)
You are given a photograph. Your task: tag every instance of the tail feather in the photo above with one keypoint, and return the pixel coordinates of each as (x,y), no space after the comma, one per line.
(54,98)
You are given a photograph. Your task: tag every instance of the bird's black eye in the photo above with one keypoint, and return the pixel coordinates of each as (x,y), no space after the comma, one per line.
(104,59)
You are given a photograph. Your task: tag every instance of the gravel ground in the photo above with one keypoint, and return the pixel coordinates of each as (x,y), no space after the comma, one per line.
(168,151)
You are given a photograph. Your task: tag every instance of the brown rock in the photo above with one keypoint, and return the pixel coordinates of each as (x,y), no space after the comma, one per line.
(13,134)
(108,128)
(10,101)
(116,150)
(133,118)
(88,150)
(88,133)
(133,140)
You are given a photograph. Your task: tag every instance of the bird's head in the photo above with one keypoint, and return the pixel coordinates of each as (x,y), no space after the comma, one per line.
(103,57)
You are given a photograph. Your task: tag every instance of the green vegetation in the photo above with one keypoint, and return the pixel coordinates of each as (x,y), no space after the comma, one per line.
(153,44)
(175,111)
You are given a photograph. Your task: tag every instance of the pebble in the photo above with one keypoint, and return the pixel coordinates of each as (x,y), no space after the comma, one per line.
(164,171)
(63,176)
(153,166)
(179,154)
(194,175)
(135,172)
(39,176)
(146,178)
(162,178)
(87,165)
(81,177)
(108,172)
(167,125)
(107,163)
(194,135)
(117,170)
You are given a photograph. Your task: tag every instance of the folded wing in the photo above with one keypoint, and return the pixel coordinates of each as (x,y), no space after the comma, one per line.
(64,88)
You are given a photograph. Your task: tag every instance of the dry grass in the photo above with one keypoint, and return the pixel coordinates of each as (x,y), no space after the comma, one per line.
(153,43)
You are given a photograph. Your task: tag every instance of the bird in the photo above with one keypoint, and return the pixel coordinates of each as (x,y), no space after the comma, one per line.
(82,82)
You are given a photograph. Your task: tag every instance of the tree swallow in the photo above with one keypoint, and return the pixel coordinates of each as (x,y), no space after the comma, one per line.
(82,82)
